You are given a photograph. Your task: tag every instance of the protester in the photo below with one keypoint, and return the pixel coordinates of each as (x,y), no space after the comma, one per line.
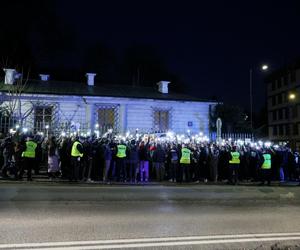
(133,159)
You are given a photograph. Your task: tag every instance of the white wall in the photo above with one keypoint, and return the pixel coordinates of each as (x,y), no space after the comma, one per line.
(133,113)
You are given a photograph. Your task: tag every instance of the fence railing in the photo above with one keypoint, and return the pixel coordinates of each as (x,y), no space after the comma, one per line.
(233,136)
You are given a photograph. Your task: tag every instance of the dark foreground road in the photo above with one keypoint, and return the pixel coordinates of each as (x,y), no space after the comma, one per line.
(64,216)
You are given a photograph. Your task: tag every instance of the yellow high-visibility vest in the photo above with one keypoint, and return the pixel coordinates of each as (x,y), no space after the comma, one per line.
(30,149)
(121,151)
(185,156)
(235,158)
(267,162)
(75,152)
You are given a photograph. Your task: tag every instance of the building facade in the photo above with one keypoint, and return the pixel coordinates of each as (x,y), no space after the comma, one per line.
(55,106)
(283,101)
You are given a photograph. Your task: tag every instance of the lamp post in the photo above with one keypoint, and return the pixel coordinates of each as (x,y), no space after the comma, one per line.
(264,67)
(291,98)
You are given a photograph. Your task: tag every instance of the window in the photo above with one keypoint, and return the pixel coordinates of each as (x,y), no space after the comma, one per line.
(294,111)
(287,129)
(161,120)
(279,83)
(279,99)
(281,129)
(273,100)
(280,114)
(42,117)
(275,131)
(273,85)
(106,119)
(295,129)
(274,115)
(287,113)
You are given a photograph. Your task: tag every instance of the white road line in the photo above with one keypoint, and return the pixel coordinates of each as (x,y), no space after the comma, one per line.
(165,244)
(172,240)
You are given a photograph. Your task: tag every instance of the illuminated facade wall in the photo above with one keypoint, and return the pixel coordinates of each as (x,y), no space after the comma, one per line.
(129,113)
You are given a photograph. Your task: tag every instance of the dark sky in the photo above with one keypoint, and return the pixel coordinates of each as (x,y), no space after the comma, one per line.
(210,45)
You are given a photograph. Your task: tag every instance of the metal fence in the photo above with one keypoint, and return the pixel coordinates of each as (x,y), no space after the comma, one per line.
(233,136)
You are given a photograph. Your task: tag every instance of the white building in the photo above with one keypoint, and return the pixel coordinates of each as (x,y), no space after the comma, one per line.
(58,106)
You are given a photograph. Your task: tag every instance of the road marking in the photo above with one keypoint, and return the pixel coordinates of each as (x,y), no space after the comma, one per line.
(155,242)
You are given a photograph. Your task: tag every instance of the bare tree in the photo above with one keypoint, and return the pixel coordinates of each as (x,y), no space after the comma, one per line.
(11,103)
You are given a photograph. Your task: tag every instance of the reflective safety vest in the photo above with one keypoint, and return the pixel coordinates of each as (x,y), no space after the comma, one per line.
(30,149)
(235,158)
(267,162)
(75,152)
(121,151)
(185,156)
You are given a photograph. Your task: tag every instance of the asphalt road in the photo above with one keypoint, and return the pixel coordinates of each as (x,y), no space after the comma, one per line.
(70,216)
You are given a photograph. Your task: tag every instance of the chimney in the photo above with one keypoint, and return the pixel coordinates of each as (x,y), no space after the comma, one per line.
(9,76)
(44,77)
(90,78)
(163,87)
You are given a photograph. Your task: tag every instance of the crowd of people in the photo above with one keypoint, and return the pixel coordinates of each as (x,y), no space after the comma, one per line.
(140,160)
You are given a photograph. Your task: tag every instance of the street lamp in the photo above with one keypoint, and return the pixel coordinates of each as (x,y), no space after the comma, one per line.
(292,96)
(264,68)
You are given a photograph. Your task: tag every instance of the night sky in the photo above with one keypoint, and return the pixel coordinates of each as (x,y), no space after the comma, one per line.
(207,47)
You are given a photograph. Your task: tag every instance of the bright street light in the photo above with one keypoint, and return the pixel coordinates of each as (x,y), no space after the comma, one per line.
(292,96)
(264,67)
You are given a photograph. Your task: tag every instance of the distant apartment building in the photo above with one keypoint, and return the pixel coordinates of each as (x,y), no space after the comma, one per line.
(283,101)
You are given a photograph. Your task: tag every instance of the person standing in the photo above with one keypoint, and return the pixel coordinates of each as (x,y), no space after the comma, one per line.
(53,159)
(234,164)
(76,156)
(133,161)
(185,161)
(107,158)
(266,167)
(8,152)
(173,158)
(159,157)
(144,161)
(120,161)
(28,158)
(213,163)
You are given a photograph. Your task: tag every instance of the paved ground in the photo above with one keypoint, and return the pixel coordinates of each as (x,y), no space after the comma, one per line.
(78,216)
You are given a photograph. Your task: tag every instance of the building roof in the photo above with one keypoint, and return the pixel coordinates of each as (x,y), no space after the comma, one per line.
(82,89)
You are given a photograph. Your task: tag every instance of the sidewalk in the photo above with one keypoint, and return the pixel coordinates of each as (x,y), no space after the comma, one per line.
(43,178)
